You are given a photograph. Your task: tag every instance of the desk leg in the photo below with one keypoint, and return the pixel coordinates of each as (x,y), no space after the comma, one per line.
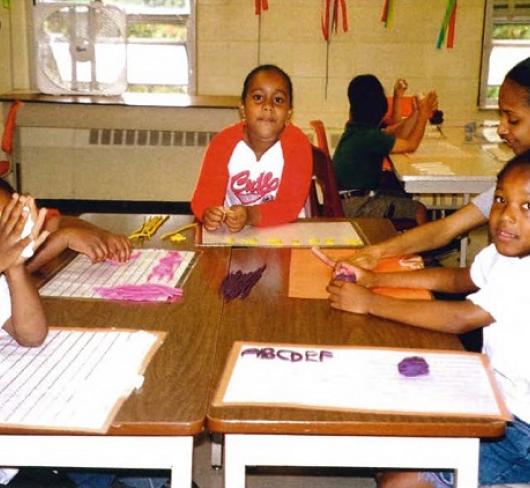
(430,453)
(464,241)
(216,453)
(134,452)
(236,461)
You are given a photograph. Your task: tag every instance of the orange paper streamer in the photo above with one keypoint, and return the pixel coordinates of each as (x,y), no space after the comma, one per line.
(260,5)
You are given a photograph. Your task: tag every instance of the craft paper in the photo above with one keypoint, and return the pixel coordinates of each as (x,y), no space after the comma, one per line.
(309,277)
(76,380)
(296,234)
(363,379)
(433,168)
(82,279)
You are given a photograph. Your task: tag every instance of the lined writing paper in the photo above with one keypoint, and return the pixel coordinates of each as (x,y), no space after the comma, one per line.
(81,278)
(75,381)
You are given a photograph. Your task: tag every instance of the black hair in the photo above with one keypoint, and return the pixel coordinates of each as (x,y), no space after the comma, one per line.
(267,67)
(520,74)
(368,104)
(6,186)
(520,160)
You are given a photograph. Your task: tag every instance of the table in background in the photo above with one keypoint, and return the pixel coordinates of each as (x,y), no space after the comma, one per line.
(279,436)
(473,169)
(154,428)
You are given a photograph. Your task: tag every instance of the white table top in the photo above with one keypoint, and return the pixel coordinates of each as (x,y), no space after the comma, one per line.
(450,165)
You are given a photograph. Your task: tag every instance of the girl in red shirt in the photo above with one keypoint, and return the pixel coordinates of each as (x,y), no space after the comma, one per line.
(257,172)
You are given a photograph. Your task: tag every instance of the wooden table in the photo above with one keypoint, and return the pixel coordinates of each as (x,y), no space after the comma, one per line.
(154,429)
(472,169)
(156,425)
(278,436)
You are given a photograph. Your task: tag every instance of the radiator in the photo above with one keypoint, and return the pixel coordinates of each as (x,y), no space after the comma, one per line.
(109,164)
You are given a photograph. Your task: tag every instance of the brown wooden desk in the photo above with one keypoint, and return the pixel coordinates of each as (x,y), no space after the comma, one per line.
(154,429)
(299,437)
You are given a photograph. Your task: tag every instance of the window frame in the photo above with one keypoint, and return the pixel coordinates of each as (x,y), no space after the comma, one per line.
(190,43)
(487,46)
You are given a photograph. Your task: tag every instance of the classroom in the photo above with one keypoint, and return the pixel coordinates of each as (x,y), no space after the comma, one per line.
(102,125)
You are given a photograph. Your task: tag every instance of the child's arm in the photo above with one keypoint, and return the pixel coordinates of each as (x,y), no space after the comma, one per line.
(27,324)
(81,236)
(448,280)
(20,299)
(425,109)
(432,235)
(400,87)
(445,316)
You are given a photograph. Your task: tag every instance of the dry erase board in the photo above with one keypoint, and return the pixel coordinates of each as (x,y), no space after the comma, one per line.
(364,379)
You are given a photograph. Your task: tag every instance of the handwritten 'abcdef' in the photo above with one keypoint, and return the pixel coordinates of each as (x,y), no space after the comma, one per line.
(272,353)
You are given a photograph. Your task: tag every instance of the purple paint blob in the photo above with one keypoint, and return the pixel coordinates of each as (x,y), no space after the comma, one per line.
(413,366)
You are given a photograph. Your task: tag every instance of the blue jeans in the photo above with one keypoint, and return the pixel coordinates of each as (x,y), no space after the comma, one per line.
(506,460)
(105,480)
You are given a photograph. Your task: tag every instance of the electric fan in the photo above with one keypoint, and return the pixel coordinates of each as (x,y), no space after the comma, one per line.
(80,49)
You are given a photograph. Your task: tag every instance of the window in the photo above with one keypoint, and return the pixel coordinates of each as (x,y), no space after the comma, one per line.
(506,42)
(160,44)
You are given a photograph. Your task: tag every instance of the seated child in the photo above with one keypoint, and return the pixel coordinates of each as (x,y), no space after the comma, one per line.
(358,158)
(257,172)
(500,303)
(21,312)
(67,232)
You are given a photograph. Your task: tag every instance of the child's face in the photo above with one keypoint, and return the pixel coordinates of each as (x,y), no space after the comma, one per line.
(267,107)
(509,221)
(514,124)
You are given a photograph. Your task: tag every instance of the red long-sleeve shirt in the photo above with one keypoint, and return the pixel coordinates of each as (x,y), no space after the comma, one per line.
(295,182)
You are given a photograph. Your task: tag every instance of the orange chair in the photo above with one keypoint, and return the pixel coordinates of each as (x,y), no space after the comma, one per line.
(407,107)
(324,196)
(8,138)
